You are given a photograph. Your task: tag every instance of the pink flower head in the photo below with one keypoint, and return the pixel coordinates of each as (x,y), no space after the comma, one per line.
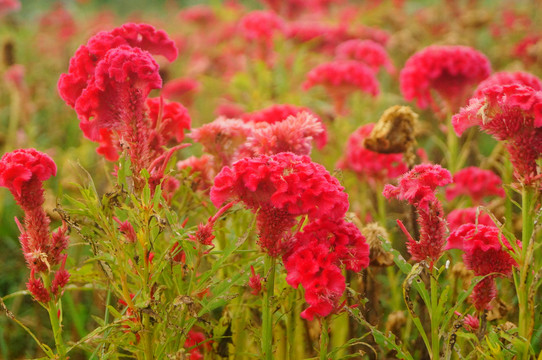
(524,49)
(367,51)
(279,188)
(458,217)
(475,183)
(485,252)
(369,165)
(203,167)
(508,78)
(23,171)
(451,71)
(294,134)
(341,78)
(222,138)
(418,186)
(261,26)
(38,289)
(278,113)
(510,113)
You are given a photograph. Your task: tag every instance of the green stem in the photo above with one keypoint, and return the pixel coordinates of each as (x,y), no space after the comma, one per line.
(267,315)
(435,317)
(525,318)
(324,339)
(54,315)
(453,147)
(147,337)
(290,330)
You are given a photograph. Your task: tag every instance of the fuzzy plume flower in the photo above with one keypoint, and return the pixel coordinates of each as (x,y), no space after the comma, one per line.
(418,187)
(369,165)
(485,252)
(255,282)
(472,215)
(508,78)
(367,51)
(475,183)
(277,113)
(451,71)
(341,78)
(294,134)
(279,188)
(513,114)
(23,172)
(169,120)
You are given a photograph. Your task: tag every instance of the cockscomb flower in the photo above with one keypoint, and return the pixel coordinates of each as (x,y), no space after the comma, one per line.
(451,71)
(280,112)
(169,120)
(418,187)
(367,51)
(198,14)
(475,183)
(117,67)
(369,165)
(508,78)
(23,172)
(294,134)
(279,188)
(260,28)
(513,114)
(196,341)
(7,6)
(222,138)
(314,267)
(255,282)
(472,215)
(486,251)
(203,169)
(341,78)
(87,57)
(204,233)
(525,49)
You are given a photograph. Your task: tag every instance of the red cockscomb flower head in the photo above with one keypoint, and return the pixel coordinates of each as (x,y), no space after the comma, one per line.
(510,113)
(87,57)
(485,252)
(38,289)
(222,138)
(169,119)
(182,90)
(475,183)
(472,215)
(369,165)
(418,187)
(279,188)
(367,51)
(341,78)
(277,113)
(294,134)
(341,237)
(508,78)
(451,71)
(314,267)
(23,171)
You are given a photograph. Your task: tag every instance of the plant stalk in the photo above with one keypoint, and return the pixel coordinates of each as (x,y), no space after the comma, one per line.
(267,314)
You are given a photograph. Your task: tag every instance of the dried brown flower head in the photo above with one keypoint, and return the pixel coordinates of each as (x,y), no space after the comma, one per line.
(374,233)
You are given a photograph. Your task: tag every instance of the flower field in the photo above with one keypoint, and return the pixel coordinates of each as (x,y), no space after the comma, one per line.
(301,179)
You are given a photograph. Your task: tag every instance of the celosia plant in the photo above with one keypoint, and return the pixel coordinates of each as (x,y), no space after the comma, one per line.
(366,51)
(451,71)
(475,183)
